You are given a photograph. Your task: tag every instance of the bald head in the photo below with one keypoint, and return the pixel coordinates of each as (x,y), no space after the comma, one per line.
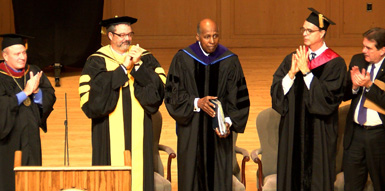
(206,24)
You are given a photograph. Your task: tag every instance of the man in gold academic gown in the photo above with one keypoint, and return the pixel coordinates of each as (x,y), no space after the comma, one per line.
(120,87)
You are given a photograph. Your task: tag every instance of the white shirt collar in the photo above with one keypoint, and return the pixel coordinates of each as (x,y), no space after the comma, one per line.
(206,54)
(320,50)
(377,66)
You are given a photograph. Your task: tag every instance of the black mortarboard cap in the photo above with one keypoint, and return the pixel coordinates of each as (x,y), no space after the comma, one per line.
(116,20)
(12,39)
(319,20)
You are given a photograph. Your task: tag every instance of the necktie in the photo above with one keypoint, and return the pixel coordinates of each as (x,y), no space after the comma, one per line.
(363,110)
(312,55)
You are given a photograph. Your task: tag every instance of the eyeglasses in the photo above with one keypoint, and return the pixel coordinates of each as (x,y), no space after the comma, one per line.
(131,34)
(308,31)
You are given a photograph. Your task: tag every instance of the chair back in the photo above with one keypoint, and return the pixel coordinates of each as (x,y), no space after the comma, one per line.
(157,130)
(268,132)
(342,114)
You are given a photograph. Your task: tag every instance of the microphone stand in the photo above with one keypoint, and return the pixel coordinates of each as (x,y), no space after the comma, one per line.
(66,149)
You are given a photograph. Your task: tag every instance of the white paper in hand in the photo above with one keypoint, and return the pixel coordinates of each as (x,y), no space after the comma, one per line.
(219,119)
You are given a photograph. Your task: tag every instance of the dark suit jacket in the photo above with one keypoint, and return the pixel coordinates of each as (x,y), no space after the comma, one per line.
(375,94)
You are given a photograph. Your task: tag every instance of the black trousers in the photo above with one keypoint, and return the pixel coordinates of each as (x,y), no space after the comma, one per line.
(366,154)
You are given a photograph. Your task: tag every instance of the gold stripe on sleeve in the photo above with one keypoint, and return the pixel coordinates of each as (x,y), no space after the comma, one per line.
(84,99)
(84,88)
(84,78)
(161,73)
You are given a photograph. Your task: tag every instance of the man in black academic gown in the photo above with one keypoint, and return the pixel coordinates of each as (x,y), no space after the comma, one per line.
(364,141)
(202,72)
(307,90)
(26,99)
(120,87)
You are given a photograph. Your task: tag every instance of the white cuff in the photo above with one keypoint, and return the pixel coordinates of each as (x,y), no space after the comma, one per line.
(196,108)
(228,120)
(287,82)
(137,65)
(308,79)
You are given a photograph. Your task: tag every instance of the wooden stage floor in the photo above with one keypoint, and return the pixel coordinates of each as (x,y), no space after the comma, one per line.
(258,64)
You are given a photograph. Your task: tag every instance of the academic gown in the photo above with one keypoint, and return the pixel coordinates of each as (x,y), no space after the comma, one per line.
(19,124)
(204,159)
(103,97)
(308,126)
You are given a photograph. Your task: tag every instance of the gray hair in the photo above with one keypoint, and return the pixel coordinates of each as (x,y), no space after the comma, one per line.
(112,28)
(198,28)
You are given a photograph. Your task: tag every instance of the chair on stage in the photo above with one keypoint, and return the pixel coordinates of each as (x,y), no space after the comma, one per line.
(239,177)
(267,127)
(161,183)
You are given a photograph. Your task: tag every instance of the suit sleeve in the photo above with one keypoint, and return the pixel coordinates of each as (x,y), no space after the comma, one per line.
(348,84)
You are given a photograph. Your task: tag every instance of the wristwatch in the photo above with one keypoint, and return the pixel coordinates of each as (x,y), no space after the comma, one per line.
(306,73)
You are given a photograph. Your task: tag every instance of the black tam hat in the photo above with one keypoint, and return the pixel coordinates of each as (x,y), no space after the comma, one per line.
(319,20)
(12,39)
(117,20)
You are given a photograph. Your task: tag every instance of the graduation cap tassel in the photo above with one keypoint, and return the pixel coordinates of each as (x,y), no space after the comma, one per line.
(321,21)
(103,31)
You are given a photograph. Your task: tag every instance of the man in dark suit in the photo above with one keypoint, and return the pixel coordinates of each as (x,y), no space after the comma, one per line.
(364,143)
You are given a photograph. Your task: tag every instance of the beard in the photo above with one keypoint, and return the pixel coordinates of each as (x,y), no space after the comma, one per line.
(125,44)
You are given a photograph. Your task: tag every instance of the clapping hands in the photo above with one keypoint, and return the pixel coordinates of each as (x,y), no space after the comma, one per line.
(299,62)
(360,79)
(32,85)
(134,55)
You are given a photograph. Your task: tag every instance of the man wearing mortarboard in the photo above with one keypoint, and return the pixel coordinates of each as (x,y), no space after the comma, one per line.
(120,87)
(26,99)
(307,90)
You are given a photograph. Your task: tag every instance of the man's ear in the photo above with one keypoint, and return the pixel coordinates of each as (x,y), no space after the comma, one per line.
(5,56)
(197,37)
(382,51)
(110,35)
(323,33)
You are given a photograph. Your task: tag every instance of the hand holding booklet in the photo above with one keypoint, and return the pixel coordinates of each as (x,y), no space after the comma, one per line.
(219,119)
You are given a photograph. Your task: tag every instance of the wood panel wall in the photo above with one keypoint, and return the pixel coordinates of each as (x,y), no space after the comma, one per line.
(243,23)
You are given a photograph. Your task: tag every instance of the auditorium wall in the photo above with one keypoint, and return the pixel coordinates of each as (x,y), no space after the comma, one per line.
(242,23)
